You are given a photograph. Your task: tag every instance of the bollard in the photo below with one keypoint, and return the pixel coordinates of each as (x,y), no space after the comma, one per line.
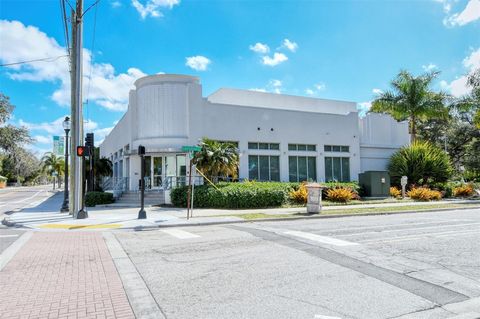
(314,198)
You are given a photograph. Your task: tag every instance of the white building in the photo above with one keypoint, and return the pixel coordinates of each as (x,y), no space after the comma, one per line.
(279,137)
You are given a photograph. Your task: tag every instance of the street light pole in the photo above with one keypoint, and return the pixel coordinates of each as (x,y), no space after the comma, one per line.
(66,127)
(79,211)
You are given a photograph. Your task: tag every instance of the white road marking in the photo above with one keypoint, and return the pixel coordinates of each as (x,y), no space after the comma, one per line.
(181,234)
(420,236)
(6,236)
(406,229)
(27,198)
(320,239)
(403,224)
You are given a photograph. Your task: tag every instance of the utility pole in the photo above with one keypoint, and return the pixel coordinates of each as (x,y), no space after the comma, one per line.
(77,117)
(73,112)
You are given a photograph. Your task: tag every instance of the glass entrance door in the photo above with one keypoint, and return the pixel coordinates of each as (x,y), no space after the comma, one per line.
(157,171)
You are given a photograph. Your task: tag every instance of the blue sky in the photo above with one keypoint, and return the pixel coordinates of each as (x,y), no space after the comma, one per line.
(345,50)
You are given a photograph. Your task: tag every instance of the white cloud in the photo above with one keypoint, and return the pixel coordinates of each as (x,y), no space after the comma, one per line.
(317,88)
(472,61)
(447,5)
(377,91)
(43,139)
(429,67)
(116,4)
(198,62)
(44,132)
(275,60)
(363,108)
(273,86)
(259,48)
(459,87)
(258,90)
(28,43)
(320,86)
(152,7)
(101,133)
(55,127)
(290,45)
(469,14)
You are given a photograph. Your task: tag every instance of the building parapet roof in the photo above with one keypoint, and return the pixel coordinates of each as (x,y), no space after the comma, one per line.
(250,98)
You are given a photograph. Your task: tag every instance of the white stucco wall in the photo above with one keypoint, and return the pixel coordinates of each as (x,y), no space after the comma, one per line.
(168,111)
(380,137)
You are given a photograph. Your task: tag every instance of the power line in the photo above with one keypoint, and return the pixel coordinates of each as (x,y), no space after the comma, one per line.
(65,25)
(93,52)
(50,59)
(93,4)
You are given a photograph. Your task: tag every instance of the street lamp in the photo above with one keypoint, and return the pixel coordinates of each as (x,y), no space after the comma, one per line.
(66,127)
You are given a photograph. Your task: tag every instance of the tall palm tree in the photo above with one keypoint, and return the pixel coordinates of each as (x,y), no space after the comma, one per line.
(101,167)
(412,99)
(217,159)
(53,163)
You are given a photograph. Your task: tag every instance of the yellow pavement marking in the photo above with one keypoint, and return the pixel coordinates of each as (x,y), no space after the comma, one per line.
(78,226)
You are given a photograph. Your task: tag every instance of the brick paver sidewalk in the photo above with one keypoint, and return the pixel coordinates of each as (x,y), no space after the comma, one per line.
(63,275)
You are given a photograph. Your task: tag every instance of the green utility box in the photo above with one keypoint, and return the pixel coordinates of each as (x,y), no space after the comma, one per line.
(375,183)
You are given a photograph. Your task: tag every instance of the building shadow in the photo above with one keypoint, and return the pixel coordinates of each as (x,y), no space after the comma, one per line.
(51,205)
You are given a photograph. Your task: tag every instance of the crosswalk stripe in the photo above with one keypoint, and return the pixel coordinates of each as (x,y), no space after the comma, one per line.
(420,236)
(320,239)
(6,236)
(181,234)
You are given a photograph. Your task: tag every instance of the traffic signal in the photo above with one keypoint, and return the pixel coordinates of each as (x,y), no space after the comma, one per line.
(81,151)
(89,140)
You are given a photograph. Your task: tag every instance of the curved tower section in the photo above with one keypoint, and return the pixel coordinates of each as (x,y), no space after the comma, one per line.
(161,110)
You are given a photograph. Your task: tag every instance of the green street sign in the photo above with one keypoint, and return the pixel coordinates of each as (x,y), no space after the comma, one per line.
(188,148)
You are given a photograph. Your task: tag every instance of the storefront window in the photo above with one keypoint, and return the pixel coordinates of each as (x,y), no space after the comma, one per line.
(337,169)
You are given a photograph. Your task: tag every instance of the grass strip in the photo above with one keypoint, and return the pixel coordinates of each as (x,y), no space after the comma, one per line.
(354,211)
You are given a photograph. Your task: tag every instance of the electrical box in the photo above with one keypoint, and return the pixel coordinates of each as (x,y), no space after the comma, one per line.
(375,183)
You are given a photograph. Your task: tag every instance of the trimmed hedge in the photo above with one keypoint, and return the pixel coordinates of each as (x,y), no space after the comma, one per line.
(248,194)
(98,198)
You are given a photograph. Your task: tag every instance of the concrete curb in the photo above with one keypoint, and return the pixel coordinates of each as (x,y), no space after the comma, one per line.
(141,299)
(279,219)
(139,228)
(13,249)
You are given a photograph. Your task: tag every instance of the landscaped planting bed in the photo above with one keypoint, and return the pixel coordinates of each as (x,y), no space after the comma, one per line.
(248,194)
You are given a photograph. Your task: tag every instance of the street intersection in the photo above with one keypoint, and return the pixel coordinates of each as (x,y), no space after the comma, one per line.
(414,265)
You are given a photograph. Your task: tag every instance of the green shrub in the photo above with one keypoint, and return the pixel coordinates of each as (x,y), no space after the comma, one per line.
(465,190)
(424,194)
(422,163)
(340,195)
(98,198)
(395,192)
(249,194)
(300,195)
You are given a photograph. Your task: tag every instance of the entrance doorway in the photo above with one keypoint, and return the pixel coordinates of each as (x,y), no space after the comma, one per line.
(163,170)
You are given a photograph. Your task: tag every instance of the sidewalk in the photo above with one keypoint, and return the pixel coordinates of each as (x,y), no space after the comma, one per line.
(47,217)
(63,275)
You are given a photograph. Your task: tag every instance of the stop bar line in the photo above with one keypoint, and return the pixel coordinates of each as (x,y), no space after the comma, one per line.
(321,239)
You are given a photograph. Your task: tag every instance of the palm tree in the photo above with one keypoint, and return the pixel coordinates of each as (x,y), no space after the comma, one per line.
(217,159)
(412,99)
(53,163)
(101,167)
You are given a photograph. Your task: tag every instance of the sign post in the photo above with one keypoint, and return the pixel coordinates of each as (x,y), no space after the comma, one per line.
(191,152)
(142,214)
(403,182)
(59,145)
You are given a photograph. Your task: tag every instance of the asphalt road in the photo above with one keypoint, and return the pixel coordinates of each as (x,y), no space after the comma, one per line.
(13,198)
(397,266)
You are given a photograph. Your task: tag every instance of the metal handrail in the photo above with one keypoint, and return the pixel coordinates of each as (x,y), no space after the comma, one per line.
(176,181)
(120,186)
